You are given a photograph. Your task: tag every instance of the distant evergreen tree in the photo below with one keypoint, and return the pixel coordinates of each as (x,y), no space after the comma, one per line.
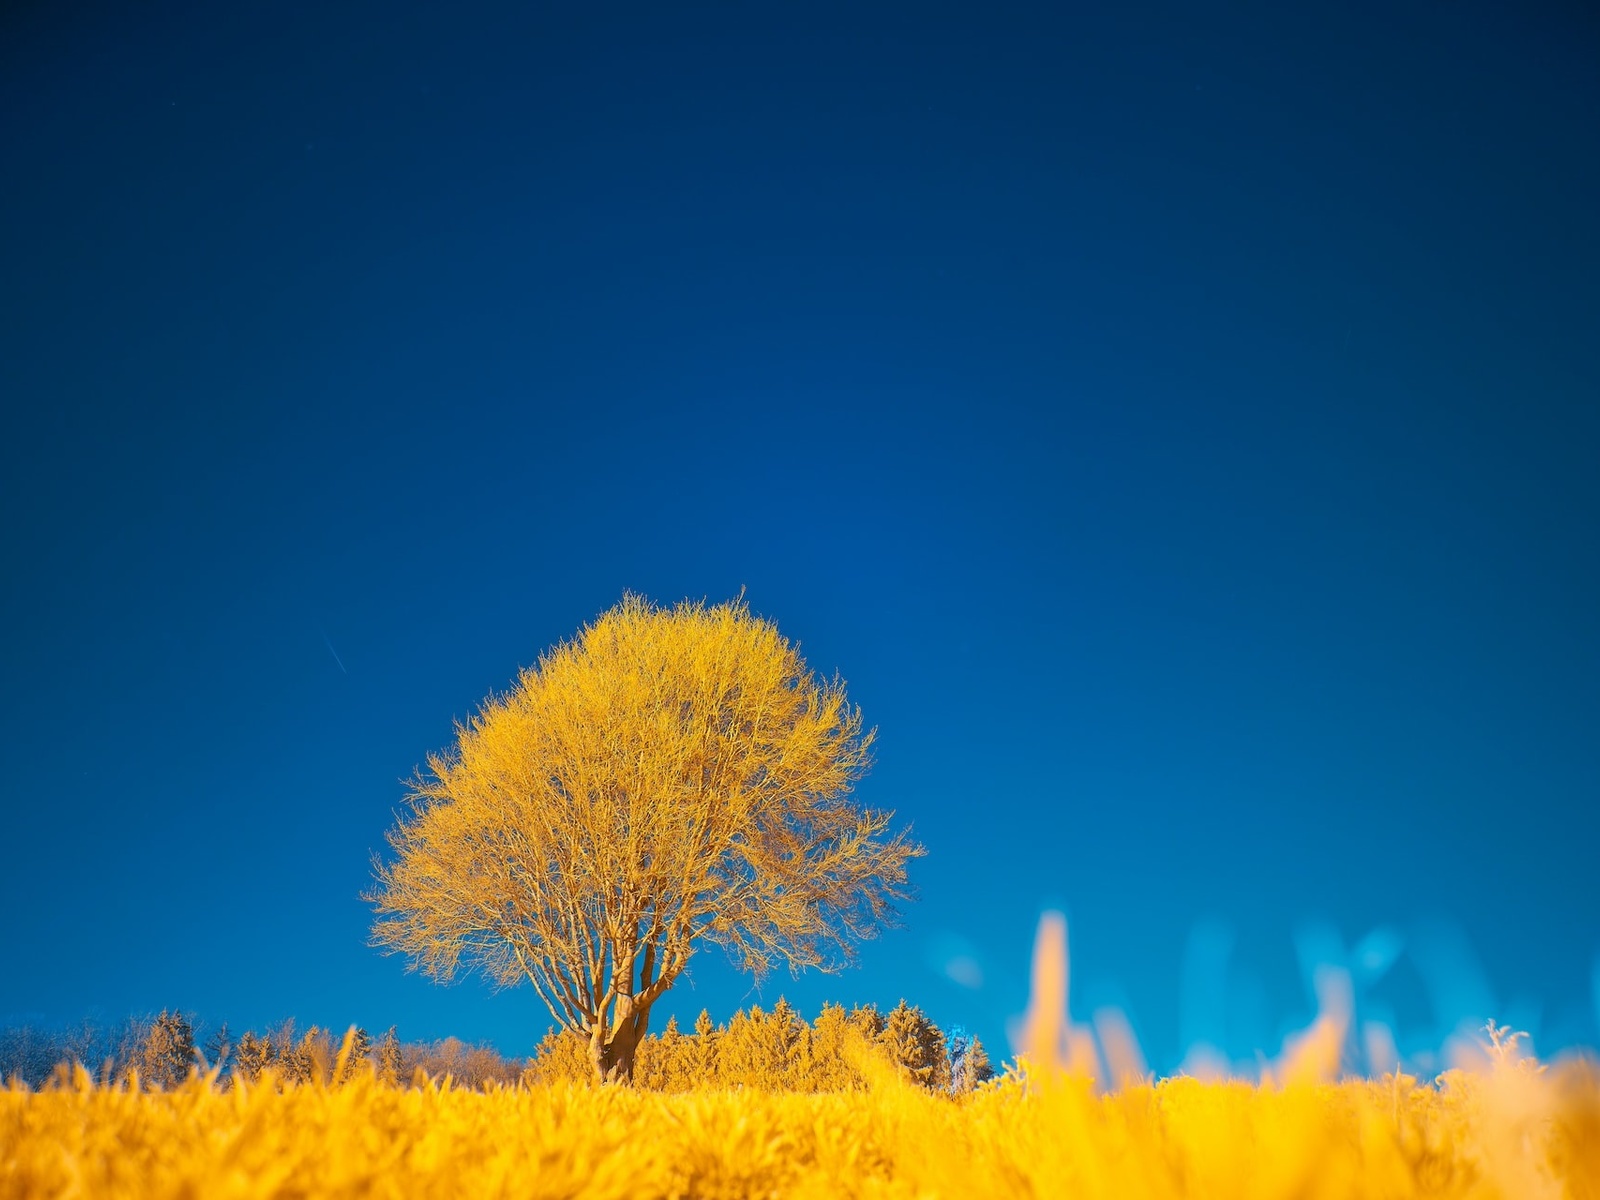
(916,1047)
(359,1058)
(294,1063)
(834,1038)
(758,1049)
(868,1021)
(388,1059)
(788,1042)
(702,1052)
(561,1057)
(253,1055)
(305,1059)
(660,1067)
(969,1063)
(318,1053)
(168,1051)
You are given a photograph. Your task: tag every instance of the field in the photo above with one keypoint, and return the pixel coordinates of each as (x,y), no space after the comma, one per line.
(1510,1129)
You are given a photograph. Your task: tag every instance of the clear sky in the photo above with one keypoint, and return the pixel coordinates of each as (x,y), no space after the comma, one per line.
(1178,424)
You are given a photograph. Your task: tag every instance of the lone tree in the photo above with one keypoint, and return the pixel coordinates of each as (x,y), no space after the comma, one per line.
(667,777)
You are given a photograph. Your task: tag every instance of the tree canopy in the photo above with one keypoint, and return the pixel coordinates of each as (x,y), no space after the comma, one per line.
(666,777)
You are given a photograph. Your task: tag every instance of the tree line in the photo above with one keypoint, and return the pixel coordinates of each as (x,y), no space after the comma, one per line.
(779,1051)
(162,1051)
(775,1050)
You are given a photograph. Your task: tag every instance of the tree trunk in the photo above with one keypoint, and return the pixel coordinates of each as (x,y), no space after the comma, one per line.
(613,1056)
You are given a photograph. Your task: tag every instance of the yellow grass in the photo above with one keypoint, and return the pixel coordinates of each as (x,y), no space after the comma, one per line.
(1508,1130)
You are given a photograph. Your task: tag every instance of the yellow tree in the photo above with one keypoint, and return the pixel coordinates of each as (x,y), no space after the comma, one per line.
(667,777)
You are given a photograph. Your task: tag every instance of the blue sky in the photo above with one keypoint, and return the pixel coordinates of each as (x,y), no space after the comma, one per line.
(1177,424)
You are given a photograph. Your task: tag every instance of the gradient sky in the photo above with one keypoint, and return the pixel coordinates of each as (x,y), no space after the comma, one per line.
(1179,425)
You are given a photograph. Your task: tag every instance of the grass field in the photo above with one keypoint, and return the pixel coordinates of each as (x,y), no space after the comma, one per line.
(1508,1130)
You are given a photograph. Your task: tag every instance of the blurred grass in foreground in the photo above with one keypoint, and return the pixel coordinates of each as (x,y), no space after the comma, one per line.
(1508,1131)
(1496,1126)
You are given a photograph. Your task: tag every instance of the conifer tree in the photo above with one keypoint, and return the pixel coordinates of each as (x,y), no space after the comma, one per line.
(660,1067)
(561,1057)
(786,1039)
(739,1057)
(388,1058)
(702,1054)
(833,1038)
(253,1055)
(969,1063)
(318,1054)
(868,1021)
(916,1047)
(168,1051)
(359,1057)
(304,1059)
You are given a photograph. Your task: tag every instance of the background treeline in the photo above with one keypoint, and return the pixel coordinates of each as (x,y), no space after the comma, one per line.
(768,1051)
(162,1050)
(780,1051)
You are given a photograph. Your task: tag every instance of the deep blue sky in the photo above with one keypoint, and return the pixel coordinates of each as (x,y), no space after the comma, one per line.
(1178,424)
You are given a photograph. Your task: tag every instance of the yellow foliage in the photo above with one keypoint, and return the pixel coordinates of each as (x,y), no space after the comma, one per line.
(669,776)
